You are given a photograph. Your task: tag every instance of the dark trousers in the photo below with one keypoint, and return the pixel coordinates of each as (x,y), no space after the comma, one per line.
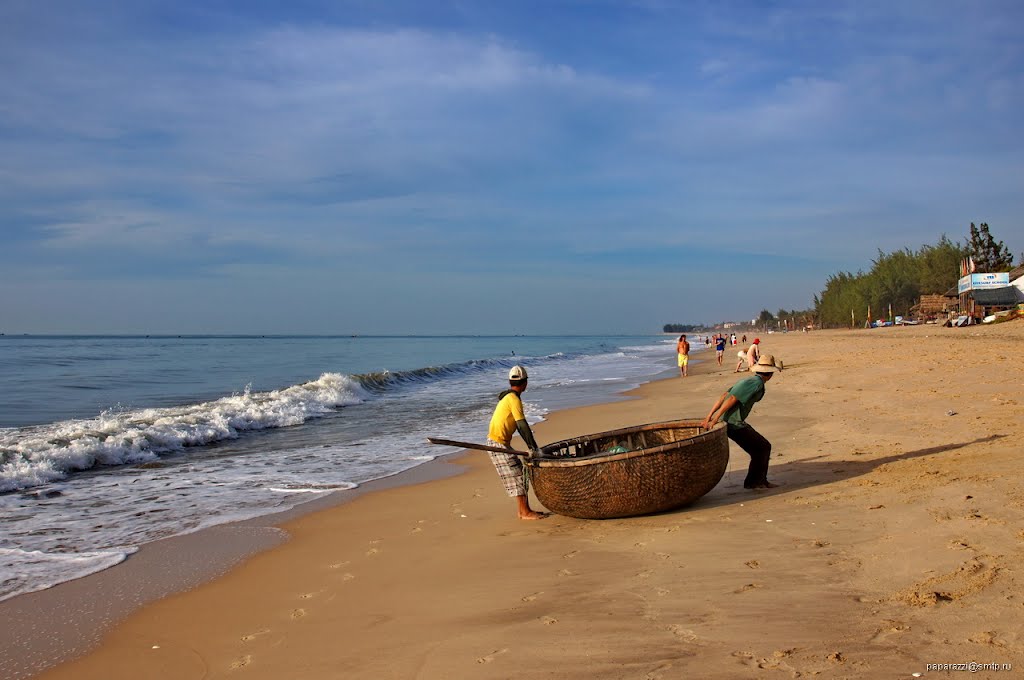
(760,450)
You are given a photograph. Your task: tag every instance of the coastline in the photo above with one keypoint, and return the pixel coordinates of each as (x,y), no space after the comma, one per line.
(859,563)
(70,619)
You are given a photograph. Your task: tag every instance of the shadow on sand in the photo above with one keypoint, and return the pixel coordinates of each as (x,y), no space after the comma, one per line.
(809,472)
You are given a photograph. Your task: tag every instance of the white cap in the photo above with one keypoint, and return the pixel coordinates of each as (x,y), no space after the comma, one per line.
(517,373)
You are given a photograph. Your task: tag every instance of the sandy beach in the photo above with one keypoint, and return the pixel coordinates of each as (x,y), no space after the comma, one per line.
(894,541)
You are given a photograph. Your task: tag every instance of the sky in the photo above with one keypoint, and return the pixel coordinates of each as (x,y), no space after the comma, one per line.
(489,166)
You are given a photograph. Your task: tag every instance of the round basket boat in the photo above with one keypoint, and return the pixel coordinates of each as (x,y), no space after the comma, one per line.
(631,471)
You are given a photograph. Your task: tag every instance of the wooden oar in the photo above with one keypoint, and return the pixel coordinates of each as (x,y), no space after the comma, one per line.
(482,447)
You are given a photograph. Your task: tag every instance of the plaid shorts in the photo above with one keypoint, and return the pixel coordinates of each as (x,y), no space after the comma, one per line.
(511,470)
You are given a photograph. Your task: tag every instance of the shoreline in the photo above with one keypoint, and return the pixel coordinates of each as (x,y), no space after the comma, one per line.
(893,542)
(69,619)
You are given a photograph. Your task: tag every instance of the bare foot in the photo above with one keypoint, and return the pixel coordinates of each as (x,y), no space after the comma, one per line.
(532,514)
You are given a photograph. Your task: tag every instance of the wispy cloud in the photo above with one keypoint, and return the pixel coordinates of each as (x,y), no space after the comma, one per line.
(222,139)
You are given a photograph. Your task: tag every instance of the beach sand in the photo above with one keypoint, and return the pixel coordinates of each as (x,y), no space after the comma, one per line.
(895,540)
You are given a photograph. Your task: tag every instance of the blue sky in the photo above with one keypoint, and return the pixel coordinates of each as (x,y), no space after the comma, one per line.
(487,167)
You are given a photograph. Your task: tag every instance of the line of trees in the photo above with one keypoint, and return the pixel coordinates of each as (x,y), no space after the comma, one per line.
(901,277)
(792,320)
(898,279)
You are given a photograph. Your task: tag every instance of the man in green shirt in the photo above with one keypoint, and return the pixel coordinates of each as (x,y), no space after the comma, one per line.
(735,406)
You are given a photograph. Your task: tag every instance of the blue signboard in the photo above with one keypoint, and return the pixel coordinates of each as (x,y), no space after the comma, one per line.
(983,281)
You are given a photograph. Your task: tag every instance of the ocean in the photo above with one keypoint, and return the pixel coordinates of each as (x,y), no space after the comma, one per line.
(107,443)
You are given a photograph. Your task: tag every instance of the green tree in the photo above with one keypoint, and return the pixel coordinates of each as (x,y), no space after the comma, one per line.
(893,282)
(898,279)
(939,266)
(844,297)
(990,256)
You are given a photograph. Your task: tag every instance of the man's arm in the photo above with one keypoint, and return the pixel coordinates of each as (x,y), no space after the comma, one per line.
(527,434)
(721,407)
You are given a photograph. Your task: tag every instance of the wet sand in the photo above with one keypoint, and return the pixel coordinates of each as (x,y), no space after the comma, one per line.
(895,541)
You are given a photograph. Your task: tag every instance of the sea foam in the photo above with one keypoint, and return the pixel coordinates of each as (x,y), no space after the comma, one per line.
(36,455)
(29,570)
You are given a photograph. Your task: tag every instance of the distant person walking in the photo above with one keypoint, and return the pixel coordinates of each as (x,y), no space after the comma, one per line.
(719,348)
(683,355)
(508,419)
(735,406)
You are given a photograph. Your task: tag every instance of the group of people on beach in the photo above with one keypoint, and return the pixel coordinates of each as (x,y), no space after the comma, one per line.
(750,355)
(733,406)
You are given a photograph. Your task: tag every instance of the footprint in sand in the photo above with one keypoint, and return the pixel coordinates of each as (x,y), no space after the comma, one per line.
(241,663)
(570,555)
(531,598)
(753,564)
(372,551)
(971,577)
(888,629)
(548,620)
(307,596)
(252,636)
(492,656)
(339,565)
(298,613)
(684,634)
(566,572)
(987,637)
(749,586)
(658,673)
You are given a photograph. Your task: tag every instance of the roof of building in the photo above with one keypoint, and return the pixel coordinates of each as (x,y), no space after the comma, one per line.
(995,297)
(1016,272)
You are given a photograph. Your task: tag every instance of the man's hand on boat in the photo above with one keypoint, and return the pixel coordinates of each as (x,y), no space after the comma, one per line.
(527,434)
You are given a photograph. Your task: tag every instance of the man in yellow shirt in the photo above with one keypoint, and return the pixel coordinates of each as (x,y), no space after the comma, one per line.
(508,419)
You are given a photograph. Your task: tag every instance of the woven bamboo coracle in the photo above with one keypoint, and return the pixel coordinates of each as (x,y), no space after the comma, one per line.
(664,466)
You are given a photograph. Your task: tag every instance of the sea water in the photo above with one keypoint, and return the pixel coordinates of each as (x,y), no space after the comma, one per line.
(107,443)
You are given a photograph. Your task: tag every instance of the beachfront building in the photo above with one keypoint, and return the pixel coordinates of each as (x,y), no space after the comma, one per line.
(984,294)
(932,307)
(1017,281)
